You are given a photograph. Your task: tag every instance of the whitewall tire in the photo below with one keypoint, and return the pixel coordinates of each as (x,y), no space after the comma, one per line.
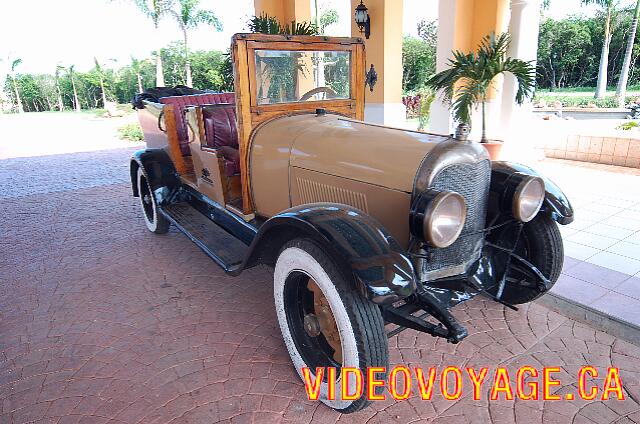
(308,285)
(155,221)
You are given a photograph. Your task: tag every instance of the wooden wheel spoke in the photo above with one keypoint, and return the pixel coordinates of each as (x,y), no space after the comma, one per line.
(328,325)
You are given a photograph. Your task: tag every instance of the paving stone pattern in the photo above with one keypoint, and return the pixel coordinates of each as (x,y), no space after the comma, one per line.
(104,322)
(47,174)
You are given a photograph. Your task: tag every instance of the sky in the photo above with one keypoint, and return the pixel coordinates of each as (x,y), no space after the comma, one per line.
(45,33)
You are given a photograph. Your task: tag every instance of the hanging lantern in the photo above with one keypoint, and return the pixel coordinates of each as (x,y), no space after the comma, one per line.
(363,20)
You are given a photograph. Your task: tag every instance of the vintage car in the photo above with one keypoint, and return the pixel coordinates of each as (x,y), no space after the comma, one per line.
(370,229)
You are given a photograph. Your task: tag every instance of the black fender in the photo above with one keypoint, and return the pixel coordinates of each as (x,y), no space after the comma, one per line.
(157,167)
(556,204)
(360,246)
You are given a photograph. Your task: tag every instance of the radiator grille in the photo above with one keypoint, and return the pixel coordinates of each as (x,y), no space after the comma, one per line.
(312,192)
(472,182)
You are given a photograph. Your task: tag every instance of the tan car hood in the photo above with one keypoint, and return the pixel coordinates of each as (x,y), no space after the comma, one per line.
(387,157)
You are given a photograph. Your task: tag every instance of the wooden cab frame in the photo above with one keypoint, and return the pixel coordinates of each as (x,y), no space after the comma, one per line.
(250,114)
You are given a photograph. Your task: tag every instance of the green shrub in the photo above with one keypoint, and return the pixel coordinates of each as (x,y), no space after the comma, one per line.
(581,101)
(628,126)
(568,90)
(426,99)
(131,132)
(124,108)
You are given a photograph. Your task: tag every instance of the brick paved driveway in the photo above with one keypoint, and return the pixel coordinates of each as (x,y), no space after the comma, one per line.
(102,321)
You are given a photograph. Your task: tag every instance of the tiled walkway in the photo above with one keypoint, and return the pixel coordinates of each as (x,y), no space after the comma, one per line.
(602,268)
(104,322)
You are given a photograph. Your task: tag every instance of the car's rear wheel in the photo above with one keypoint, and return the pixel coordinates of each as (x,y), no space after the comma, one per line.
(325,322)
(155,221)
(540,243)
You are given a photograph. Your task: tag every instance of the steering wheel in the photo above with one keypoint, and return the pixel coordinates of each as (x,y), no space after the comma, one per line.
(329,93)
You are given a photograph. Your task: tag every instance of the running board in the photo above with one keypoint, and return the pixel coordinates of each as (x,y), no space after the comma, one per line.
(218,244)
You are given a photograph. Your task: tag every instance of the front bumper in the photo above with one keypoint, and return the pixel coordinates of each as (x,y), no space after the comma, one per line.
(436,298)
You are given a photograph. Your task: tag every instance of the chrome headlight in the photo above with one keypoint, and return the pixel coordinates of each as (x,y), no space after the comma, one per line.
(438,217)
(528,198)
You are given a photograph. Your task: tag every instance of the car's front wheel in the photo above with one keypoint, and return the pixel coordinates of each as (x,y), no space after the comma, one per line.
(325,322)
(540,243)
(155,221)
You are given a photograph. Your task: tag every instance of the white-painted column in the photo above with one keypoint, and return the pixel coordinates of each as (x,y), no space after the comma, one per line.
(392,114)
(454,31)
(462,24)
(441,121)
(517,121)
(383,48)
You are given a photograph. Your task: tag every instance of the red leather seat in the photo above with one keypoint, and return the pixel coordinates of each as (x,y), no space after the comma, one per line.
(180,102)
(221,133)
(220,125)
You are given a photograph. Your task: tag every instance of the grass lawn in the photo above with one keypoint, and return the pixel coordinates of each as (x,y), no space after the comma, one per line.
(584,97)
(611,91)
(100,112)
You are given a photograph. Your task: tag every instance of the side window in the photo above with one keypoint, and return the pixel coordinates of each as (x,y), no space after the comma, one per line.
(298,76)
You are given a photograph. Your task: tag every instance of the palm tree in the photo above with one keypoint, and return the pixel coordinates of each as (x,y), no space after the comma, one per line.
(14,65)
(189,17)
(322,21)
(470,76)
(265,24)
(609,7)
(58,91)
(71,72)
(101,76)
(136,66)
(155,10)
(621,92)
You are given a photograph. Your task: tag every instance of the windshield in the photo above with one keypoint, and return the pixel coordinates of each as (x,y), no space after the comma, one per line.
(285,76)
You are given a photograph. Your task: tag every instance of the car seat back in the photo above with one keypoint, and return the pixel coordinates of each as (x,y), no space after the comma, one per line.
(181,102)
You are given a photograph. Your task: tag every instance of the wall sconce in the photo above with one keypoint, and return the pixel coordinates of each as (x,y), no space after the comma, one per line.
(371,78)
(363,20)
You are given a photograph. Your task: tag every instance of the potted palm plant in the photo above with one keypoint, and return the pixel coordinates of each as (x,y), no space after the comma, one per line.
(469,78)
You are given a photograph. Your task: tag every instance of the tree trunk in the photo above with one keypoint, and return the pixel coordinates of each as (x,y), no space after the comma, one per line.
(621,92)
(18,100)
(187,63)
(159,71)
(601,88)
(140,89)
(104,96)
(75,95)
(60,103)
